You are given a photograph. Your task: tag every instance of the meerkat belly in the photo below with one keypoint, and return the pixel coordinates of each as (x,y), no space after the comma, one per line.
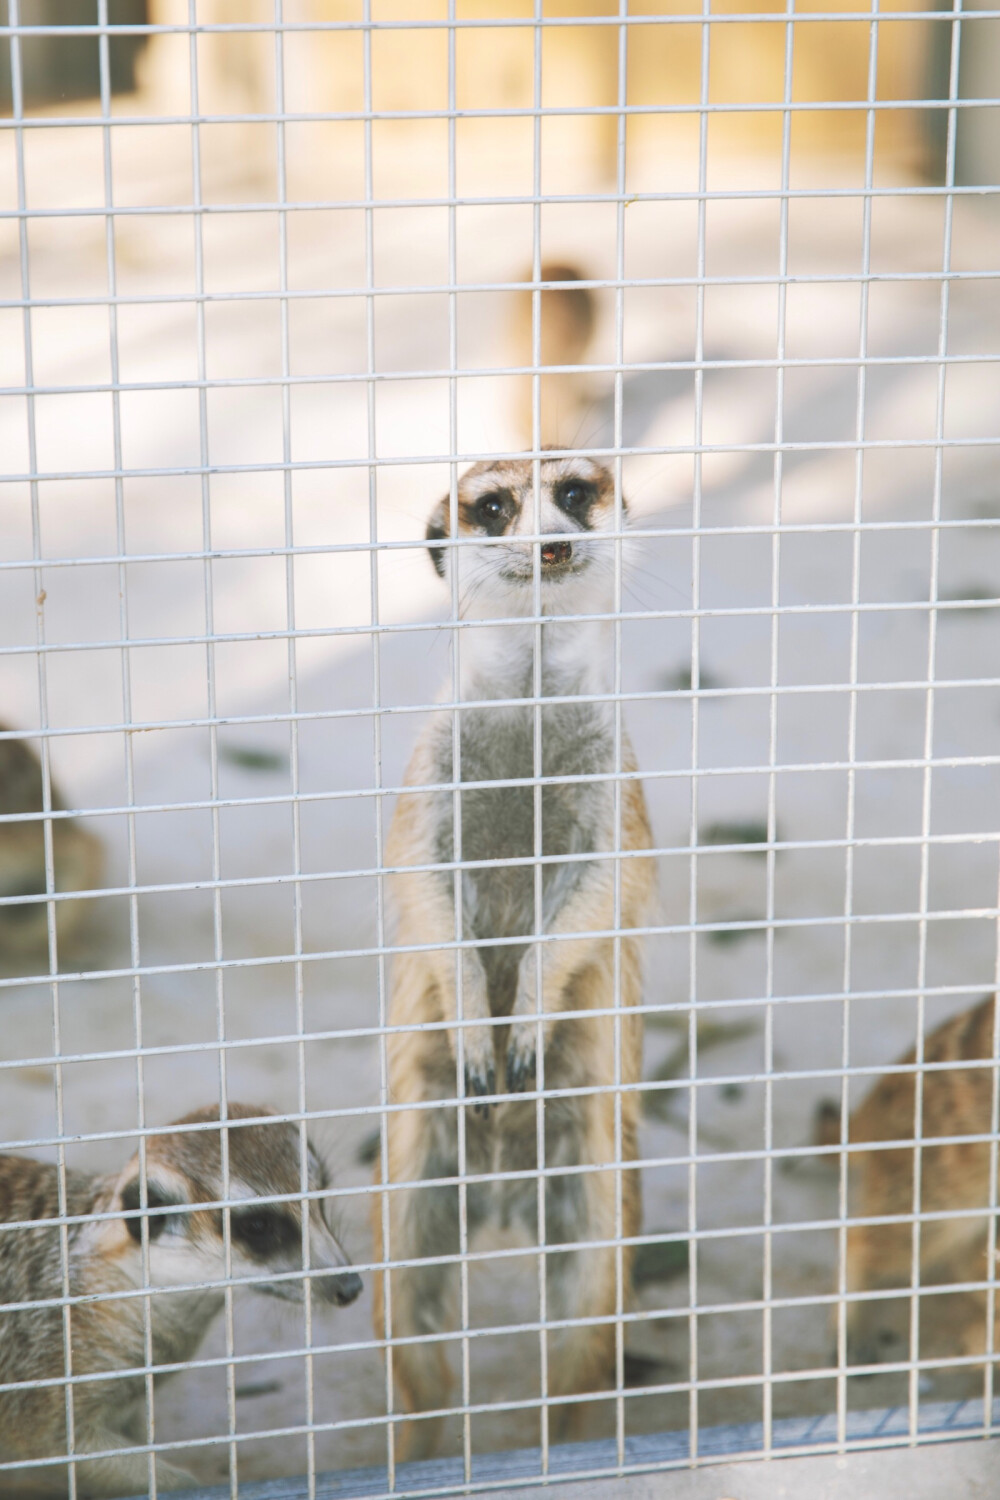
(498,823)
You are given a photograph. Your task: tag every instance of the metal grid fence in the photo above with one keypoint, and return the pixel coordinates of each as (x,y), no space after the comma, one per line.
(219,964)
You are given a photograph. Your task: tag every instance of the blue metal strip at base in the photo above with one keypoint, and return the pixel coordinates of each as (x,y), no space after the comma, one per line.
(937,1422)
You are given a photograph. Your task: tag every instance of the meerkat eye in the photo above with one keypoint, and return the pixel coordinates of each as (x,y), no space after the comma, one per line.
(264,1231)
(490,507)
(155,1198)
(575,496)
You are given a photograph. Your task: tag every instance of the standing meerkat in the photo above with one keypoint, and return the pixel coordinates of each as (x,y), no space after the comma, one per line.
(496,512)
(185,1246)
(76,857)
(957,1101)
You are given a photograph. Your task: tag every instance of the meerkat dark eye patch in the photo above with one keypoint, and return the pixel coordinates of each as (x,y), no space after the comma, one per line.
(265,1232)
(492,512)
(575,497)
(155,1198)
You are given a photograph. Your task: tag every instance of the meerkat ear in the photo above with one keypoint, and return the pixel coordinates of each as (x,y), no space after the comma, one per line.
(437,530)
(156,1197)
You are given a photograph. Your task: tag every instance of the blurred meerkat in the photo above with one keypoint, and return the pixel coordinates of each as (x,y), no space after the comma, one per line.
(567,315)
(578,740)
(185,1245)
(77,857)
(957,1101)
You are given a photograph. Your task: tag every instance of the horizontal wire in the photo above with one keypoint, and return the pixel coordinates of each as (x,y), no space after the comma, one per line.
(635,1316)
(501,112)
(879,1441)
(371,872)
(501,1253)
(534,1403)
(354,1033)
(419,544)
(749,924)
(437,460)
(937,762)
(640,1087)
(703,612)
(487,372)
(498,23)
(196,298)
(507,200)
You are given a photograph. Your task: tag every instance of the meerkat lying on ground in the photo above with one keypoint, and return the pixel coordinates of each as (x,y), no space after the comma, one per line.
(567,316)
(957,1101)
(76,854)
(578,741)
(185,1245)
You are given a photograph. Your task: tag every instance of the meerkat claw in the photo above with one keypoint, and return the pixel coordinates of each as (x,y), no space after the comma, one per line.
(521,1065)
(477,1083)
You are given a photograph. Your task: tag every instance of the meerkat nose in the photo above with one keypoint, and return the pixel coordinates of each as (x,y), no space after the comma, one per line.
(344,1288)
(554,553)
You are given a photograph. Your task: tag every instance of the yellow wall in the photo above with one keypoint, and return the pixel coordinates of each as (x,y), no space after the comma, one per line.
(494,69)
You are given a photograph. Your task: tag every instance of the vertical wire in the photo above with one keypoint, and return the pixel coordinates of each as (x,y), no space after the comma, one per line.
(767,1349)
(537,681)
(372,438)
(38,578)
(616,785)
(860,415)
(456,755)
(126,688)
(696,509)
(293,733)
(213,734)
(929,707)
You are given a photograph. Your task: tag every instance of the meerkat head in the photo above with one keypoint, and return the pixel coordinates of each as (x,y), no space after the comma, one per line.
(496,515)
(186,1242)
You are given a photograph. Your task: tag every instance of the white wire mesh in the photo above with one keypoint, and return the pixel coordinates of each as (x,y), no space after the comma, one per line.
(255,322)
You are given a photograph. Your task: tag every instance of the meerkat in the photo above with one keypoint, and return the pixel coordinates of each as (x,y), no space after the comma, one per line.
(495,578)
(76,855)
(957,1101)
(185,1244)
(567,317)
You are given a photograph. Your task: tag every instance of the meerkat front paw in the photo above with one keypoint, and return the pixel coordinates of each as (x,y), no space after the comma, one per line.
(480,1069)
(522,1056)
(522,1062)
(477,1041)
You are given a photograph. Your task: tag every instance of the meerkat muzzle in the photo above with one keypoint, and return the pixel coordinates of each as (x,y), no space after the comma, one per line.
(555,553)
(342,1289)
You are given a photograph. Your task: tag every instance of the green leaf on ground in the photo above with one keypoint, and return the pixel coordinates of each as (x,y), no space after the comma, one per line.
(749,831)
(250,758)
(660,1261)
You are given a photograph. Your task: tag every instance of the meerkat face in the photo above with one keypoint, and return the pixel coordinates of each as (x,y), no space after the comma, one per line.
(496,507)
(186,1242)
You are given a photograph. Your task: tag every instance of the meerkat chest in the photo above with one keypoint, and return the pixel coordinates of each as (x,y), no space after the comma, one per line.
(508,821)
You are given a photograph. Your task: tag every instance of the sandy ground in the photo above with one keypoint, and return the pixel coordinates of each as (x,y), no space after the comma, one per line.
(167,682)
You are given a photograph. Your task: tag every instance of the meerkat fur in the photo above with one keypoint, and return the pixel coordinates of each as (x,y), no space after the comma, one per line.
(77,857)
(954,1177)
(499,982)
(183,1245)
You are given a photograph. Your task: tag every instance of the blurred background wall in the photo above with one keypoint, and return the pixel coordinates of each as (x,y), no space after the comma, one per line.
(830,63)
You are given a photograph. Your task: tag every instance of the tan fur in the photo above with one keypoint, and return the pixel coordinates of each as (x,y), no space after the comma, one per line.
(76,853)
(567,316)
(500,1059)
(40,1263)
(954,1176)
